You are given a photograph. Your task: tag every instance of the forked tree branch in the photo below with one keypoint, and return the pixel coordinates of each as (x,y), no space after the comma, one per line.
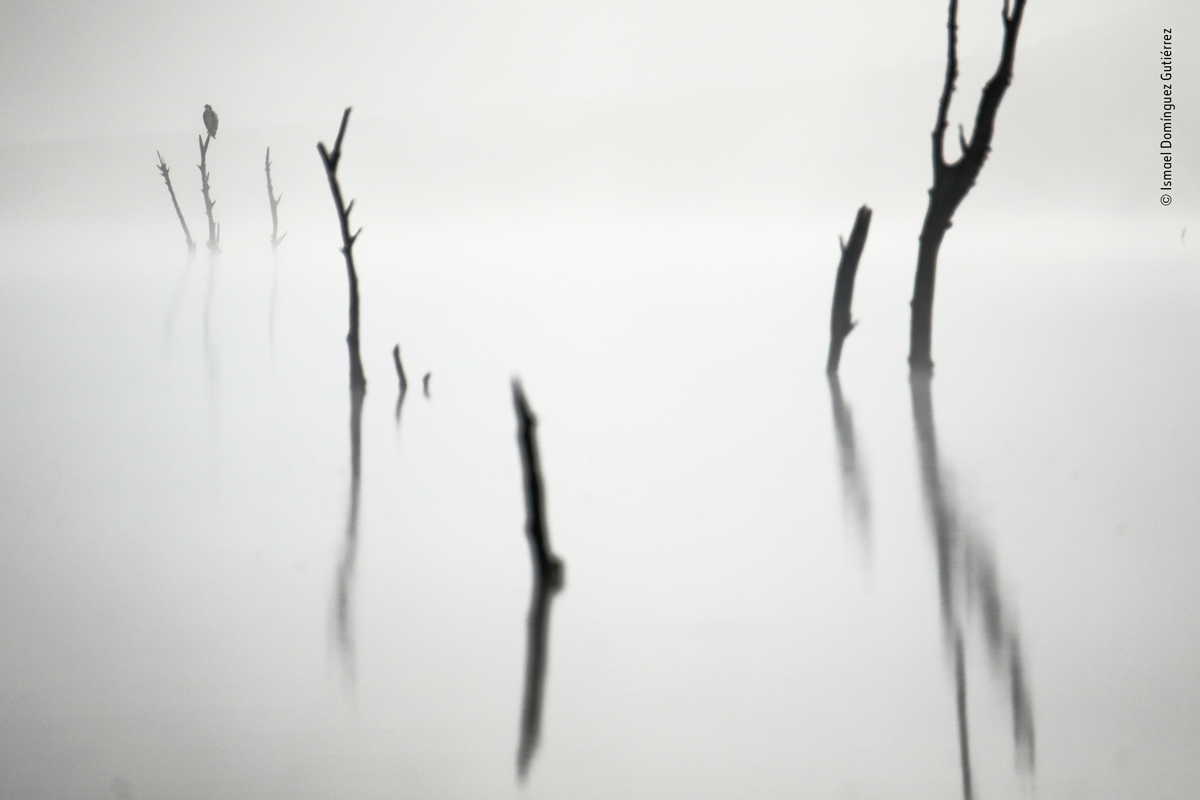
(952,181)
(358,381)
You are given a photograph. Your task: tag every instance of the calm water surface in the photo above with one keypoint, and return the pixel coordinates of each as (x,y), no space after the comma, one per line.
(775,587)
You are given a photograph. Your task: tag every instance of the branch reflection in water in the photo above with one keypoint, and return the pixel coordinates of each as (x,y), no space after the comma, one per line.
(345,570)
(547,581)
(210,355)
(537,641)
(968,581)
(855,492)
(177,298)
(403,381)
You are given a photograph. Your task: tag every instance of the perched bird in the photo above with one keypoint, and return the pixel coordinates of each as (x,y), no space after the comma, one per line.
(210,120)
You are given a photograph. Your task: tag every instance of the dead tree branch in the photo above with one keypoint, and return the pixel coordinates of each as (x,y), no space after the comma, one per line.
(840,323)
(275,237)
(358,381)
(166,173)
(952,181)
(214,233)
(548,566)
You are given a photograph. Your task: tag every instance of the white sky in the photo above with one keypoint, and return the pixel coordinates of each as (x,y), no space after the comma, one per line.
(71,69)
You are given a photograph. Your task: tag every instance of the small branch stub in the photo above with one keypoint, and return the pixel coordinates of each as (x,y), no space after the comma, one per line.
(549,567)
(840,323)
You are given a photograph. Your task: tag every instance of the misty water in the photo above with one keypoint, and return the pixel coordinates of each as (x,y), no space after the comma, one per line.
(774,586)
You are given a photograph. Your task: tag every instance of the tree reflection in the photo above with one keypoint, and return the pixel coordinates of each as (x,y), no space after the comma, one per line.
(968,583)
(402,378)
(177,296)
(854,485)
(210,356)
(345,569)
(536,644)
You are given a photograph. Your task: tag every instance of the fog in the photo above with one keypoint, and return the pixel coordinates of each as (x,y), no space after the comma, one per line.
(222,577)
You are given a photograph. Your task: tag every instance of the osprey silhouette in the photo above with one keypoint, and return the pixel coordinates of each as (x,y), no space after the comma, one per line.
(210,120)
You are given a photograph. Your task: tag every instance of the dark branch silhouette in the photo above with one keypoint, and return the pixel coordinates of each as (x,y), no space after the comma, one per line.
(951,182)
(840,323)
(547,565)
(358,381)
(214,231)
(358,390)
(275,237)
(166,173)
(547,580)
(854,485)
(968,580)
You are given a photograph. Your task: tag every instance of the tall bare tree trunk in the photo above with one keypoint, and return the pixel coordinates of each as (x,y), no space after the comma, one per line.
(358,381)
(951,182)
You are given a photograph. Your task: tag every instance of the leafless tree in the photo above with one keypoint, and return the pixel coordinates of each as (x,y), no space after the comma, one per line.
(358,381)
(214,230)
(952,181)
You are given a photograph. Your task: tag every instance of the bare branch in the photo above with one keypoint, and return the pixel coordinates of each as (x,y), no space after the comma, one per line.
(549,567)
(337,146)
(275,238)
(939,129)
(840,323)
(358,381)
(951,182)
(213,233)
(166,173)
